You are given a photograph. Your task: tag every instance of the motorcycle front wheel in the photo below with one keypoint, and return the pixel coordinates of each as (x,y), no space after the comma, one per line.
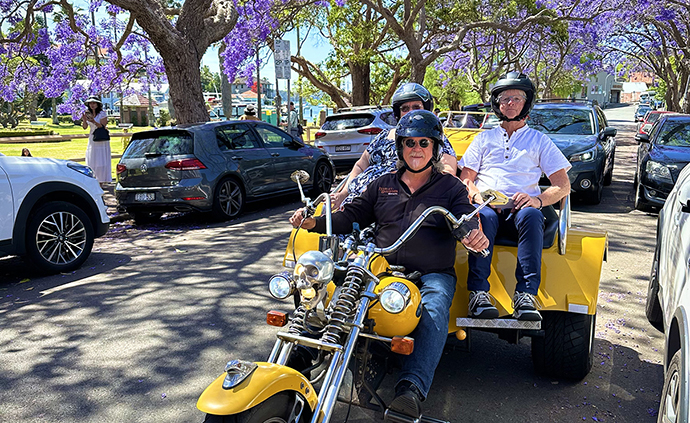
(276,409)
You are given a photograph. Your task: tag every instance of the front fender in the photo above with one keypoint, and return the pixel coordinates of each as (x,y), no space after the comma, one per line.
(267,380)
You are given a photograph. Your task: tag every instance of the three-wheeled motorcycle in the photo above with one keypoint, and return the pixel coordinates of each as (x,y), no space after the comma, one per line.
(354,312)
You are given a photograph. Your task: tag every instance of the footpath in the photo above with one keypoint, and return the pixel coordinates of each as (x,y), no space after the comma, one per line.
(111,203)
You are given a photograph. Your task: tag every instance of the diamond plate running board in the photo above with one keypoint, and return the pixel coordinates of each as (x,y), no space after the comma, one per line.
(466,322)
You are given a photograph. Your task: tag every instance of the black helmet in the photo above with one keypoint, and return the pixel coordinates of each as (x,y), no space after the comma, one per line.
(420,123)
(411,92)
(513,81)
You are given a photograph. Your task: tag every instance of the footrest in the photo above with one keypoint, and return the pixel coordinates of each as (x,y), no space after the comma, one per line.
(392,416)
(467,322)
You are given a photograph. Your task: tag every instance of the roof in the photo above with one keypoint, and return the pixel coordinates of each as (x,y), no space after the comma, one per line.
(137,100)
(637,87)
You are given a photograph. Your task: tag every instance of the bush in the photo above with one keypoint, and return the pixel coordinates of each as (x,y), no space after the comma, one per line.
(164,118)
(68,119)
(25,132)
(135,120)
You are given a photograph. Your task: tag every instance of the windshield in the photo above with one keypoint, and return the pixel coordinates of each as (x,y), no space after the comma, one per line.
(643,110)
(349,121)
(653,117)
(675,134)
(163,144)
(562,121)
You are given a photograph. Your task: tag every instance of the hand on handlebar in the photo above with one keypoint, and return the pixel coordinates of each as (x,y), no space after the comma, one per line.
(476,241)
(300,217)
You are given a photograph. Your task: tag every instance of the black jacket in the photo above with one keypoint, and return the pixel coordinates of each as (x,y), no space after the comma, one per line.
(388,202)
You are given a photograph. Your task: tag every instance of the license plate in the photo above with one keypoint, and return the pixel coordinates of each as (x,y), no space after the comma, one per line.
(145,196)
(342,148)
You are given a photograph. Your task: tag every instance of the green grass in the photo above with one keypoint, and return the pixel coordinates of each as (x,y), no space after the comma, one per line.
(72,149)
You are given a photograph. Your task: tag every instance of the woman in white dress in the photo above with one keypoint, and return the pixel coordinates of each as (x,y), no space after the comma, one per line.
(97,152)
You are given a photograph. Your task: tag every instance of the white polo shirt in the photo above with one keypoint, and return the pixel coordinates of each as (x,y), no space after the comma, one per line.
(514,164)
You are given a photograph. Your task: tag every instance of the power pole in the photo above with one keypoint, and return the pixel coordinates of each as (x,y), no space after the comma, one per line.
(299,82)
(258,86)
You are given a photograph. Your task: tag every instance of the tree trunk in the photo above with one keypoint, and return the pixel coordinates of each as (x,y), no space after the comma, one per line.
(182,67)
(361,83)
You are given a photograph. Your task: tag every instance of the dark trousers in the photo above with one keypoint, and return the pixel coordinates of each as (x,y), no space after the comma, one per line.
(527,225)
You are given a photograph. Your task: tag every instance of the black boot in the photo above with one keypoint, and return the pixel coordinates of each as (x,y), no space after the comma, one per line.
(408,400)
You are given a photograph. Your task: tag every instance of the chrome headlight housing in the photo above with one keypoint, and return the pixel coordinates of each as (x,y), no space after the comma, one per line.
(585,156)
(313,267)
(281,285)
(395,297)
(658,172)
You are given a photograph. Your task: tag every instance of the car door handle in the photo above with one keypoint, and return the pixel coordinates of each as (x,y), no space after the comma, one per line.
(236,158)
(275,154)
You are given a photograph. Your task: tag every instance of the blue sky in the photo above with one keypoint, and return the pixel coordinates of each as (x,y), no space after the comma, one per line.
(314,49)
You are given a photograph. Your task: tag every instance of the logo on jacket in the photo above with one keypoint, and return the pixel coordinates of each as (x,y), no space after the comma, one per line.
(388,191)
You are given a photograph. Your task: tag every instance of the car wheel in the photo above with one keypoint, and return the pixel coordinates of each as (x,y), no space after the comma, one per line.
(59,237)
(141,218)
(228,201)
(670,406)
(323,178)
(653,307)
(640,203)
(566,349)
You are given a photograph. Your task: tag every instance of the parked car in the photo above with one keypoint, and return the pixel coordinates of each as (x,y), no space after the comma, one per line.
(668,299)
(641,110)
(51,211)
(213,167)
(581,132)
(346,134)
(649,119)
(660,157)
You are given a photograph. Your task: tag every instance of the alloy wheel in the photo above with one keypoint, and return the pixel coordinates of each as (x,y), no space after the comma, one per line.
(324,178)
(670,403)
(230,198)
(61,238)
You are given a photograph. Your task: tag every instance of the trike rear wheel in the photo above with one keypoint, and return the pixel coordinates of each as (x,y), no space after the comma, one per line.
(566,350)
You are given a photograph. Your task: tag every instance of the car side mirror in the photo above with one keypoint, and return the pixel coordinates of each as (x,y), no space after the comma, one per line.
(642,138)
(685,208)
(608,132)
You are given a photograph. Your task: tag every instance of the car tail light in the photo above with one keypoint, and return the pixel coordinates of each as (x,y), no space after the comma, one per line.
(121,168)
(185,164)
(319,135)
(370,131)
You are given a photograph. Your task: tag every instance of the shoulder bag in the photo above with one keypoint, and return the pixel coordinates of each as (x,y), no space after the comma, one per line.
(101,134)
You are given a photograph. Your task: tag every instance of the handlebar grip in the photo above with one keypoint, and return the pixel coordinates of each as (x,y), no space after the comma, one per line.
(461,232)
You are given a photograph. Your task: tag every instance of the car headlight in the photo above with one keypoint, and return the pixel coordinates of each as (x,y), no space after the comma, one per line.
(658,172)
(395,297)
(281,285)
(84,170)
(586,156)
(313,267)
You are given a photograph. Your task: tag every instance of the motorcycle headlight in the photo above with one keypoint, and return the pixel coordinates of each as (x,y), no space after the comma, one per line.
(658,172)
(395,297)
(585,156)
(281,285)
(313,267)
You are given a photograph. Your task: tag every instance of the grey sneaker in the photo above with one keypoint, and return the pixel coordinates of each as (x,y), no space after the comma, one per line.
(482,306)
(525,307)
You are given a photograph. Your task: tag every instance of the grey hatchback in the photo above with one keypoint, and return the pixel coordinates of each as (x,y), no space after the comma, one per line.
(213,167)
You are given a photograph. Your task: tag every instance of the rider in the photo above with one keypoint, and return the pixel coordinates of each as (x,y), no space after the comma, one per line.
(511,158)
(394,201)
(380,157)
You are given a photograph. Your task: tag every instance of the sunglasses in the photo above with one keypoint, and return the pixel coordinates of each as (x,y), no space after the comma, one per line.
(406,108)
(514,98)
(423,143)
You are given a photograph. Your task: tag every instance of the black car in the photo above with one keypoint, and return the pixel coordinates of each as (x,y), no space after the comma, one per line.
(581,132)
(661,155)
(213,167)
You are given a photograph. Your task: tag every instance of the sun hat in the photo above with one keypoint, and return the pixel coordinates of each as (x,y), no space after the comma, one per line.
(93,99)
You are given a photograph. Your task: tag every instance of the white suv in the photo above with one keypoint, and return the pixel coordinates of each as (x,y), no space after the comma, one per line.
(50,211)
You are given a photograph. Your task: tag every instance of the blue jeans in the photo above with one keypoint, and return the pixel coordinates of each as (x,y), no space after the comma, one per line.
(430,335)
(527,225)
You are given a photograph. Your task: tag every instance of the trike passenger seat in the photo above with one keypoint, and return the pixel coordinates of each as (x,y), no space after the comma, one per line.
(550,228)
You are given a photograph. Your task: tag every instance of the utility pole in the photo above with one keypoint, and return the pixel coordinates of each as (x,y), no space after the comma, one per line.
(258,86)
(148,87)
(299,82)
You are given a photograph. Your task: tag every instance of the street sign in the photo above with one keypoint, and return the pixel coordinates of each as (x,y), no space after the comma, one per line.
(281,56)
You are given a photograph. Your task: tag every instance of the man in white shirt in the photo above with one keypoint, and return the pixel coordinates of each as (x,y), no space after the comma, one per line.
(511,158)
